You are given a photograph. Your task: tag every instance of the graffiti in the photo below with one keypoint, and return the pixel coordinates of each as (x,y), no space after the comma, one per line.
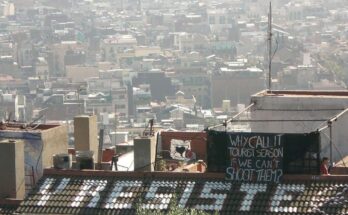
(179,149)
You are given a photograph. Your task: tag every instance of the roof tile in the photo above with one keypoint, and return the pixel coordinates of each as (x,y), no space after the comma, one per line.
(118,194)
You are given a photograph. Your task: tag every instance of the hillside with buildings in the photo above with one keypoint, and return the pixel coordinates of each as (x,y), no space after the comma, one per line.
(146,106)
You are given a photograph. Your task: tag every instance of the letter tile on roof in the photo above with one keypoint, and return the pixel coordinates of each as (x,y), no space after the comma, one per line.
(187,193)
(283,194)
(251,190)
(156,200)
(48,191)
(117,194)
(219,199)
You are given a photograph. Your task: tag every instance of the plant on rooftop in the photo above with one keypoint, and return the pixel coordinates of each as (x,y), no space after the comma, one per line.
(181,164)
(161,165)
(174,209)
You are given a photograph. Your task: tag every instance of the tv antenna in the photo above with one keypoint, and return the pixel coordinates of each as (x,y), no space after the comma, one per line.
(269,35)
(149,130)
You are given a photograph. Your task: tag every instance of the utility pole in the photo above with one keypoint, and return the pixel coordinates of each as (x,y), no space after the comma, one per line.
(270,47)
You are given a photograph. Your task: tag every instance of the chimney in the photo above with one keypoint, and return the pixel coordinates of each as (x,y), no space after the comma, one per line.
(12,180)
(144,153)
(86,134)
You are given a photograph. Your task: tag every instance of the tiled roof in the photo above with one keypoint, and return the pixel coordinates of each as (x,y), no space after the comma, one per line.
(5,209)
(8,206)
(97,192)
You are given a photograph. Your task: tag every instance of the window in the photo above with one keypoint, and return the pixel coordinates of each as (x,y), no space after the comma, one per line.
(120,106)
(211,20)
(222,20)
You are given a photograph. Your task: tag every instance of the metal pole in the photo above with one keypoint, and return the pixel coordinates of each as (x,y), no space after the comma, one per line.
(238,114)
(339,115)
(270,47)
(234,117)
(330,134)
(333,119)
(329,125)
(281,120)
(323,128)
(100,147)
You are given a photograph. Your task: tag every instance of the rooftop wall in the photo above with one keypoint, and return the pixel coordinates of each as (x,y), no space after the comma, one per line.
(303,112)
(39,145)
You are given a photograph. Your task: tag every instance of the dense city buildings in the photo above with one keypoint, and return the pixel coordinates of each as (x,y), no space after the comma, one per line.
(214,100)
(76,57)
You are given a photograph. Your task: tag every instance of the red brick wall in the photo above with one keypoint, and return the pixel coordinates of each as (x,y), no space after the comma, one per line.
(198,141)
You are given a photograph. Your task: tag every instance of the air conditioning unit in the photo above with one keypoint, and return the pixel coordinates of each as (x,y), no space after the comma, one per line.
(84,160)
(62,161)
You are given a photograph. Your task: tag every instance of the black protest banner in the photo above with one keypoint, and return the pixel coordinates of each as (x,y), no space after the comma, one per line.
(262,157)
(254,157)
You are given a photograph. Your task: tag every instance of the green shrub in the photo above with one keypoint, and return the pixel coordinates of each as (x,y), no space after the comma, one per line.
(174,209)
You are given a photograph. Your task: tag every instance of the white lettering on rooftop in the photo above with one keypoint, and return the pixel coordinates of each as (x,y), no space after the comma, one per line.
(207,193)
(251,190)
(155,200)
(89,188)
(118,192)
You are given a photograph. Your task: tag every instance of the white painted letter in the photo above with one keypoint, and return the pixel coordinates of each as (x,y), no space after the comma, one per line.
(91,188)
(219,198)
(155,200)
(187,193)
(47,186)
(251,190)
(282,194)
(117,193)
